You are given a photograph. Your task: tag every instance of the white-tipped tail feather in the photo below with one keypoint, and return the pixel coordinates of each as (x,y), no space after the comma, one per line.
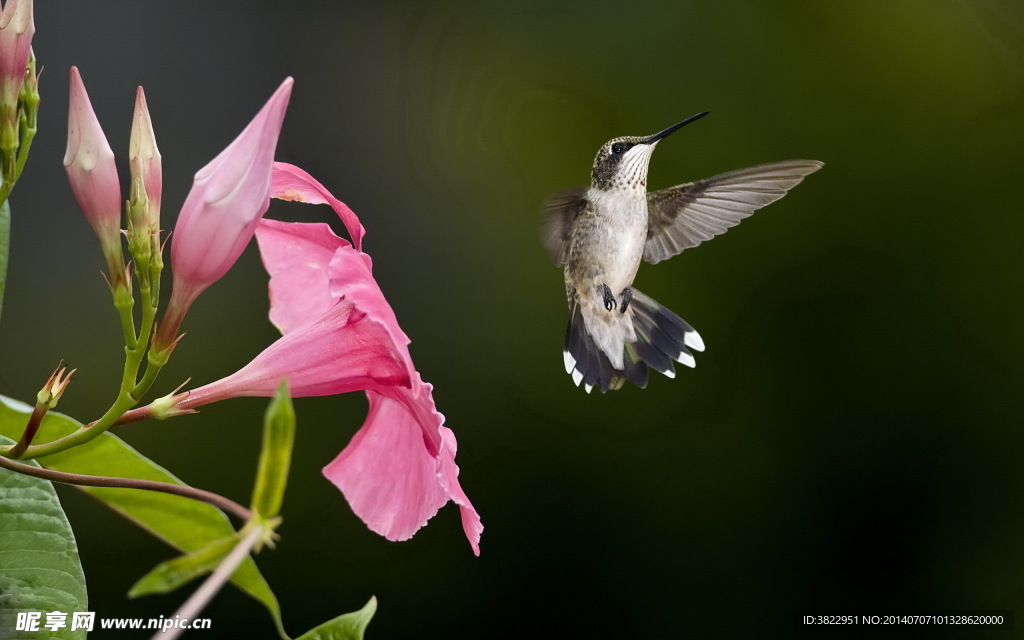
(693,340)
(570,362)
(685,358)
(647,336)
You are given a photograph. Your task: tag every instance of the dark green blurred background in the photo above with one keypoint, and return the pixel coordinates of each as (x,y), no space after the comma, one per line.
(849,443)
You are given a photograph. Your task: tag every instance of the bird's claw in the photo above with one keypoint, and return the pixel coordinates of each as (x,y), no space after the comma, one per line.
(627,295)
(609,300)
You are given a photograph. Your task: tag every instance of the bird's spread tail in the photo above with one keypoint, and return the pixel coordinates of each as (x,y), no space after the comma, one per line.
(661,336)
(651,337)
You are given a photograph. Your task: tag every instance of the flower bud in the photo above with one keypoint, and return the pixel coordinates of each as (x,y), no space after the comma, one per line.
(54,387)
(276,454)
(219,217)
(144,156)
(16,30)
(91,169)
(146,190)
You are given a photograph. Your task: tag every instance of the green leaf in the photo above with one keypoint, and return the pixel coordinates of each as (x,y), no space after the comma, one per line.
(168,576)
(276,454)
(350,626)
(185,524)
(39,566)
(5,247)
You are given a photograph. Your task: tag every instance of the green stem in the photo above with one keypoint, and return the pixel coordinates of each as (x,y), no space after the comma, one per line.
(130,394)
(145,333)
(148,378)
(5,237)
(123,403)
(124,306)
(28,134)
(31,428)
(7,170)
(148,314)
(132,388)
(128,397)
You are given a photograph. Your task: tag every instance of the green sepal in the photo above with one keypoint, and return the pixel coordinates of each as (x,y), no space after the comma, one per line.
(168,576)
(276,455)
(40,570)
(185,524)
(350,626)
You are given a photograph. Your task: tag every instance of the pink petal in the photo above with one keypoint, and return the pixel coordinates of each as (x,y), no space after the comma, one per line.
(344,350)
(307,278)
(296,256)
(289,182)
(311,268)
(351,278)
(449,478)
(390,480)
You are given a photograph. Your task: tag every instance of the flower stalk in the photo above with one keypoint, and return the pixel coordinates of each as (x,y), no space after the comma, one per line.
(205,593)
(129,395)
(81,480)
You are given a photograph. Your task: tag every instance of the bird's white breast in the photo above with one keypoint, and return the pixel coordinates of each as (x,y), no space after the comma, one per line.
(623,214)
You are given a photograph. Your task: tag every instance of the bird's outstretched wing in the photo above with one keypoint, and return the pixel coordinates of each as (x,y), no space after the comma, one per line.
(685,215)
(560,211)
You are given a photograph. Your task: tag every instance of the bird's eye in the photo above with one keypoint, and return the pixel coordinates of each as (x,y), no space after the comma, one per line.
(618,147)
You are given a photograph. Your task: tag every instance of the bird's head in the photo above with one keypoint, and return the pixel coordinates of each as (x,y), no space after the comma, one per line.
(621,163)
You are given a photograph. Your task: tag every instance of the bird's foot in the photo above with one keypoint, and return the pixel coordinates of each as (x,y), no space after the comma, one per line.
(627,295)
(609,300)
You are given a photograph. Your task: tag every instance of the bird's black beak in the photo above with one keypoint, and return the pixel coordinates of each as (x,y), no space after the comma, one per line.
(673,128)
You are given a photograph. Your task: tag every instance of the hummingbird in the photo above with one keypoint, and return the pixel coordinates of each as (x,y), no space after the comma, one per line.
(600,235)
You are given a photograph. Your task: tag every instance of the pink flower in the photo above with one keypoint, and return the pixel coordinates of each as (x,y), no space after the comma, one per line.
(91,170)
(340,335)
(16,30)
(228,198)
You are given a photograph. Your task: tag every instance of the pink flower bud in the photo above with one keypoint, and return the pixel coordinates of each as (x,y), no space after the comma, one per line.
(227,200)
(92,171)
(144,159)
(16,30)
